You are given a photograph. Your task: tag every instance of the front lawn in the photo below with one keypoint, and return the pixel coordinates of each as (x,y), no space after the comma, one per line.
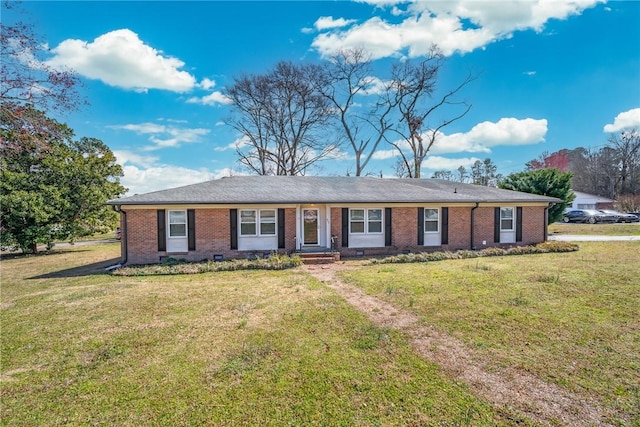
(632,229)
(80,347)
(570,319)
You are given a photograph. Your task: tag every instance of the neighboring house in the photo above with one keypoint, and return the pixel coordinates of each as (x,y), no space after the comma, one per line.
(590,201)
(245,216)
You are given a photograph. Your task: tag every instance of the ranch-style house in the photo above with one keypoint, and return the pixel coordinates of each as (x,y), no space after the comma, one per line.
(248,216)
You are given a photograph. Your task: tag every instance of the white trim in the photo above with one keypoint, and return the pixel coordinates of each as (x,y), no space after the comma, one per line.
(169,223)
(432,238)
(508,235)
(366,221)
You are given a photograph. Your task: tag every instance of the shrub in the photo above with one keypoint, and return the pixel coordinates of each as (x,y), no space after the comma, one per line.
(540,248)
(174,266)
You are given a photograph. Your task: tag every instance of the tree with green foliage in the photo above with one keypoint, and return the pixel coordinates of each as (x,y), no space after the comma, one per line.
(546,182)
(51,186)
(485,173)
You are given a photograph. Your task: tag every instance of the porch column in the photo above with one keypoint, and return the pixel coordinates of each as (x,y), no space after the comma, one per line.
(328,226)
(298,228)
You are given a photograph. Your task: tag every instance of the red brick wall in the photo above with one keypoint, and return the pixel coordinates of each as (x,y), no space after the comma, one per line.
(142,236)
(459,228)
(533,225)
(483,219)
(290,229)
(404,226)
(212,236)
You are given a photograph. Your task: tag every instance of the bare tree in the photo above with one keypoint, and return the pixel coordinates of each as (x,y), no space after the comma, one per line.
(347,76)
(283,119)
(627,158)
(418,130)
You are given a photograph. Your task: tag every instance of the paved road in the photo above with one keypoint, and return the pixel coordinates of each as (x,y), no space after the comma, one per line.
(582,238)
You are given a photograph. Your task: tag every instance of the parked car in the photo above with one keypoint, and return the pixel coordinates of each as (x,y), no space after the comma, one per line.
(621,217)
(591,216)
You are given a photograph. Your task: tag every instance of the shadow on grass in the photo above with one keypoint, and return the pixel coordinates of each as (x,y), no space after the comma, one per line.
(81,270)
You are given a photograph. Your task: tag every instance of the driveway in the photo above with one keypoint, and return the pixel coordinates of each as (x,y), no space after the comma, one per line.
(585,238)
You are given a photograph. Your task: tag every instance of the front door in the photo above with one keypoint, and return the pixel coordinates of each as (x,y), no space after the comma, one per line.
(310,228)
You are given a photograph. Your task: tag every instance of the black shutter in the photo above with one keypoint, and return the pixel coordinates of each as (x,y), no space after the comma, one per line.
(162,231)
(191,229)
(518,224)
(444,232)
(345,227)
(496,225)
(420,226)
(281,241)
(233,228)
(387,226)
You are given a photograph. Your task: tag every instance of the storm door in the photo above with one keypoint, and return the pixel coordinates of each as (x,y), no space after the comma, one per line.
(310,229)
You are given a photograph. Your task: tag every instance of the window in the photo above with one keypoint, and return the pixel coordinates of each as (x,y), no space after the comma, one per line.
(268,222)
(249,220)
(506,218)
(365,221)
(375,220)
(431,220)
(177,223)
(586,206)
(248,223)
(356,220)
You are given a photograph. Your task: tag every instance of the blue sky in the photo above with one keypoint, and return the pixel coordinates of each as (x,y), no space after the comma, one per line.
(553,74)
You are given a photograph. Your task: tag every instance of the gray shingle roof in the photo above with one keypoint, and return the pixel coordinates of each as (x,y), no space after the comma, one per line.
(315,189)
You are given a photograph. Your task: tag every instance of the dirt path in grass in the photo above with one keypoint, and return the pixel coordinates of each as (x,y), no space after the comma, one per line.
(543,402)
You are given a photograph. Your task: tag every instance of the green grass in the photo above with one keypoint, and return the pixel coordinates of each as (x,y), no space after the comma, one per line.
(80,347)
(632,229)
(571,319)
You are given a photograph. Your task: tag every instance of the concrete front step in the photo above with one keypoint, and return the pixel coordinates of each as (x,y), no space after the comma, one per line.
(319,257)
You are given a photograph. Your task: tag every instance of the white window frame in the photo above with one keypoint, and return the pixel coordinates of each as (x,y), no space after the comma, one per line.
(512,218)
(243,221)
(366,221)
(259,220)
(264,220)
(429,220)
(171,221)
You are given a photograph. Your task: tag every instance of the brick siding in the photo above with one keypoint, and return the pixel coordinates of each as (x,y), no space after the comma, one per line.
(213,233)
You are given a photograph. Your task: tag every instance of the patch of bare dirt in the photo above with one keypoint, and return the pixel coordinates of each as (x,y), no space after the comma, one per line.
(543,402)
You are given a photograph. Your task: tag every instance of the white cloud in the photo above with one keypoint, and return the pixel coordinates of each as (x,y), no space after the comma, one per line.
(626,119)
(456,26)
(141,180)
(444,163)
(214,98)
(119,58)
(385,154)
(375,86)
(142,174)
(243,141)
(124,157)
(163,136)
(483,136)
(207,84)
(327,22)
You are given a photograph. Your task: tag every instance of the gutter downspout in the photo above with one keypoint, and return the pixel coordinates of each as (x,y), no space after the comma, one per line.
(473,246)
(123,234)
(546,221)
